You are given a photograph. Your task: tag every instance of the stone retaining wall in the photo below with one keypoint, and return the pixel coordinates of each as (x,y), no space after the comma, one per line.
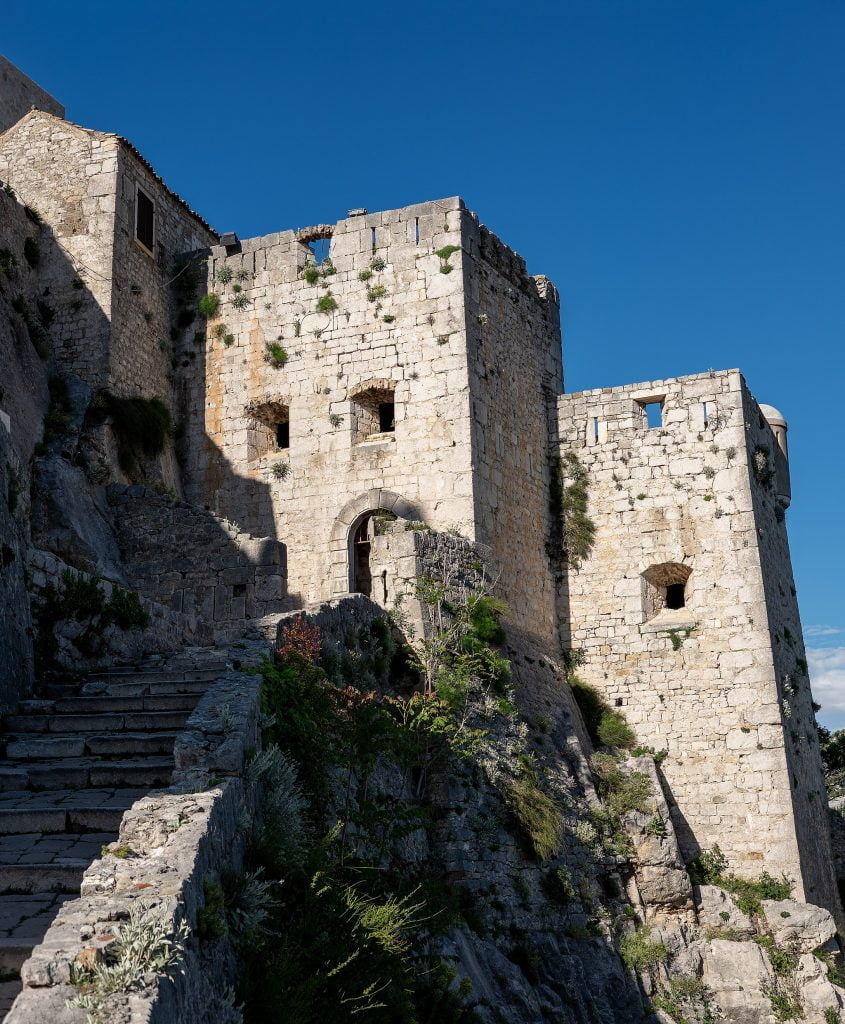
(168,630)
(197,563)
(178,839)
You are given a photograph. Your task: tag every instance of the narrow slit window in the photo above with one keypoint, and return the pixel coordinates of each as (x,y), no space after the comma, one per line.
(386,417)
(144,220)
(373,238)
(283,435)
(417,230)
(595,428)
(706,414)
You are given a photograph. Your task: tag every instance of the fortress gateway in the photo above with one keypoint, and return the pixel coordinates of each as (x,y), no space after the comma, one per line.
(404,364)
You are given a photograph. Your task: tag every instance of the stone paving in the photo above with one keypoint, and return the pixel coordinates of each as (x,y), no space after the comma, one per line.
(73,763)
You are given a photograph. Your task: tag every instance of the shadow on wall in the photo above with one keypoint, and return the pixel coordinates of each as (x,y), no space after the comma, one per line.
(58,457)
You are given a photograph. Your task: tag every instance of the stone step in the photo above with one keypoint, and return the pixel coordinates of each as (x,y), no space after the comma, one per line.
(79,773)
(14,821)
(26,878)
(131,721)
(136,688)
(40,746)
(13,952)
(161,676)
(100,705)
(106,798)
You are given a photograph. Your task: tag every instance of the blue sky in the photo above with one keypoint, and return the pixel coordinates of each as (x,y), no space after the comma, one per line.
(676,167)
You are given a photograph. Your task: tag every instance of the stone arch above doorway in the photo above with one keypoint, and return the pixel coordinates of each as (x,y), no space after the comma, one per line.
(349,518)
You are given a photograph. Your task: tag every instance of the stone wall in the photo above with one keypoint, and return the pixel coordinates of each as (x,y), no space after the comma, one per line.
(410,339)
(168,629)
(795,715)
(196,563)
(18,94)
(68,177)
(141,345)
(680,502)
(16,655)
(513,341)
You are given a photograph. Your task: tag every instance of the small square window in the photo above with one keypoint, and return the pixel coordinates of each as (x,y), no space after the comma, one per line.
(283,435)
(144,220)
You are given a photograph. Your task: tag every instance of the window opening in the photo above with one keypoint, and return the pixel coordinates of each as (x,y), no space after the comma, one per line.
(664,589)
(320,249)
(654,414)
(268,428)
(386,417)
(373,238)
(595,428)
(144,220)
(706,414)
(374,412)
(417,230)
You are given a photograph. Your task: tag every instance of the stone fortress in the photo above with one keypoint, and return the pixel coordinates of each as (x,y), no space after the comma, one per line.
(404,364)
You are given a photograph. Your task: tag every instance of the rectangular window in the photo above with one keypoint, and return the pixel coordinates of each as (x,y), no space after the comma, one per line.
(283,435)
(653,413)
(145,220)
(386,421)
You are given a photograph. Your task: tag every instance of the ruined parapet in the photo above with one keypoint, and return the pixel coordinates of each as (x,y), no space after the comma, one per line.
(683,612)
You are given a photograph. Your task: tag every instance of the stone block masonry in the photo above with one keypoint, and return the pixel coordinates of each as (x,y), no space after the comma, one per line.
(685,616)
(412,374)
(18,93)
(196,563)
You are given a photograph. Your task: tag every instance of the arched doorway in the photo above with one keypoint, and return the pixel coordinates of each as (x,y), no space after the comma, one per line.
(362,534)
(377,501)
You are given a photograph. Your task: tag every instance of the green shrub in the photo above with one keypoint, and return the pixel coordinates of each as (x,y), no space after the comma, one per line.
(141,427)
(240,301)
(709,868)
(311,273)
(606,727)
(326,303)
(224,274)
(364,275)
(558,886)
(211,919)
(376,292)
(377,264)
(639,951)
(537,815)
(276,355)
(208,305)
(622,791)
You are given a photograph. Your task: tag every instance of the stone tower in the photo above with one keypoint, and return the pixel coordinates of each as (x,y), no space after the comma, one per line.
(411,372)
(685,615)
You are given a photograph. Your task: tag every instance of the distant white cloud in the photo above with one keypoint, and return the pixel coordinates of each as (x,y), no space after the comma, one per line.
(827,676)
(814,632)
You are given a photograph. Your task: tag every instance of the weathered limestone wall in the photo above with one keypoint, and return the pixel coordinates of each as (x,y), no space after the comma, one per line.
(513,337)
(68,177)
(18,94)
(699,681)
(140,351)
(796,716)
(195,563)
(411,339)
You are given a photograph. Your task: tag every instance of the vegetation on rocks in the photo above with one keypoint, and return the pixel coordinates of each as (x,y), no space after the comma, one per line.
(710,868)
(141,427)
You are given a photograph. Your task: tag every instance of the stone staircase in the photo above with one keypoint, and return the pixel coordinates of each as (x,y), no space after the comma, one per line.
(72,763)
